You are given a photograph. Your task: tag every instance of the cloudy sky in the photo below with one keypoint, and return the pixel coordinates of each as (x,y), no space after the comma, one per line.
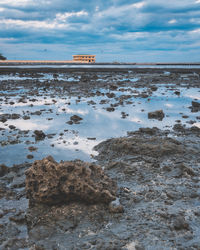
(113,30)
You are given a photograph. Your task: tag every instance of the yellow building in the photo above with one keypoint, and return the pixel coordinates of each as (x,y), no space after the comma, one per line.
(84,58)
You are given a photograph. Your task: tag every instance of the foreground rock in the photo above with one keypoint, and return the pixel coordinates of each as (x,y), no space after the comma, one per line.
(50,182)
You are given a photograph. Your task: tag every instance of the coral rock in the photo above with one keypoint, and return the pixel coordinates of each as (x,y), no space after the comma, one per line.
(50,182)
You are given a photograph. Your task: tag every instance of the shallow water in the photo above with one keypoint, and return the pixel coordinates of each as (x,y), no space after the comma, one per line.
(68,142)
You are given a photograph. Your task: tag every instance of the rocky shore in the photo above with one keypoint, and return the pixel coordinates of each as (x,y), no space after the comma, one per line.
(142,189)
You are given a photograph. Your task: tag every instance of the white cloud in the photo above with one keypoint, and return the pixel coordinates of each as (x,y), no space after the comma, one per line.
(129,35)
(16,3)
(139,5)
(117,11)
(10,39)
(196,31)
(24,3)
(47,24)
(64,16)
(59,22)
(172,21)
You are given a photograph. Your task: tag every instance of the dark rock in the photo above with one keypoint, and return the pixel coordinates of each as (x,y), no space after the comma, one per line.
(3,170)
(39,135)
(36,113)
(179,127)
(150,131)
(158,114)
(14,116)
(113,87)
(195,104)
(195,130)
(154,88)
(12,127)
(116,207)
(76,119)
(26,117)
(50,182)
(91,102)
(177,92)
(29,157)
(31,148)
(110,95)
(110,109)
(180,223)
(5,117)
(70,122)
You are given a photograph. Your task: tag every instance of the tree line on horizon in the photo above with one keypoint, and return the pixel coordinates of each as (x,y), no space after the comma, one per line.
(2,57)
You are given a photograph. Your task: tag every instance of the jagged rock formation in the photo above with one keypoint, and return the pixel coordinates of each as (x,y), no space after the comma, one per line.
(50,182)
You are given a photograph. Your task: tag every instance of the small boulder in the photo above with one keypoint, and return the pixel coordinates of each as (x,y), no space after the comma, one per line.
(39,135)
(75,119)
(110,109)
(49,182)
(195,106)
(158,114)
(180,223)
(3,170)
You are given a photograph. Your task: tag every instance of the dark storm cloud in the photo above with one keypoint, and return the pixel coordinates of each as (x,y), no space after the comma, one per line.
(122,26)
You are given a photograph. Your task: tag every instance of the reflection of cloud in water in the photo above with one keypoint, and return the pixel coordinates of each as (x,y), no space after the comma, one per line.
(135,119)
(169,105)
(83,145)
(197,124)
(71,111)
(27,125)
(110,115)
(193,96)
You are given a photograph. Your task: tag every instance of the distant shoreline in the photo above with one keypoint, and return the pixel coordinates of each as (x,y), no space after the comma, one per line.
(64,62)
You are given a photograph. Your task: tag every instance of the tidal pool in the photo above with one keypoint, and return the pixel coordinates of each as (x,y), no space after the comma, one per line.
(110,113)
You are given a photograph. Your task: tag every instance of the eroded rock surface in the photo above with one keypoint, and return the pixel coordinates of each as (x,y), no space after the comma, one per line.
(136,145)
(50,182)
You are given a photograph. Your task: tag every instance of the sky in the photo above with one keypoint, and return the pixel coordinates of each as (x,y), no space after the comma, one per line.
(113,30)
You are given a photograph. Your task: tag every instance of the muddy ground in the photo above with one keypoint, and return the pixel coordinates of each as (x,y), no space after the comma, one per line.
(157,172)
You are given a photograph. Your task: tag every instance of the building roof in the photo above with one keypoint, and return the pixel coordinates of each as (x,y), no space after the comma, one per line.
(85,55)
